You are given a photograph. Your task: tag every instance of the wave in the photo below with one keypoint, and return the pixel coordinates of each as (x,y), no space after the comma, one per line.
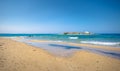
(73,37)
(101,43)
(57,41)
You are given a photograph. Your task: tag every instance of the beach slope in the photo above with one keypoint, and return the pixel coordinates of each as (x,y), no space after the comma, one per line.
(17,56)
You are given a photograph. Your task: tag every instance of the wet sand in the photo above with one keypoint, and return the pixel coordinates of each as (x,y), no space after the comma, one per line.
(18,56)
(85,45)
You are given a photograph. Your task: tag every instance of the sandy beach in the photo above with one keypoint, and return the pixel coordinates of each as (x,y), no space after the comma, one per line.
(84,45)
(18,56)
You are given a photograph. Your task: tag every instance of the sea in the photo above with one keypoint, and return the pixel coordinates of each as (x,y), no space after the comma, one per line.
(95,39)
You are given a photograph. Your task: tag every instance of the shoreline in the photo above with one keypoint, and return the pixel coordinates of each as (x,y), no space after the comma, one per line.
(67,49)
(18,56)
(113,48)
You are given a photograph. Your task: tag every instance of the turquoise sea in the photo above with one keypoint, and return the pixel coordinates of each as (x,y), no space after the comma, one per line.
(98,39)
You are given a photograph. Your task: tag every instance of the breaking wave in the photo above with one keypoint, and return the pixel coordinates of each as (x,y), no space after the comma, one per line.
(101,43)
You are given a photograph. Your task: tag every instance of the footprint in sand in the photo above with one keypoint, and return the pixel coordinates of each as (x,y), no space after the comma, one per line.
(34,50)
(1,46)
(97,61)
(1,49)
(98,68)
(1,63)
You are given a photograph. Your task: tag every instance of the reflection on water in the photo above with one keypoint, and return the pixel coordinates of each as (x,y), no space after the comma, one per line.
(65,46)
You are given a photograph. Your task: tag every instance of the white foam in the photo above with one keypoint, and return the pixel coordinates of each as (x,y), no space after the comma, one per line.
(58,41)
(73,37)
(101,43)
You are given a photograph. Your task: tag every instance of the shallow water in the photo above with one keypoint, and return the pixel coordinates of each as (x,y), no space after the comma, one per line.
(66,50)
(96,39)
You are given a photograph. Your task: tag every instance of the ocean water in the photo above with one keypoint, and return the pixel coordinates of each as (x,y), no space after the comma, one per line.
(96,39)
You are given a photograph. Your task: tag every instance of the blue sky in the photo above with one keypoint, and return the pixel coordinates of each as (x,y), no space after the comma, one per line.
(57,16)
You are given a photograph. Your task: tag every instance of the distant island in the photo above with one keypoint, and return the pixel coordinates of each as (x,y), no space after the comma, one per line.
(77,33)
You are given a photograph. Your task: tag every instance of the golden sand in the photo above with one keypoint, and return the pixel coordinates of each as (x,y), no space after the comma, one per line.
(17,56)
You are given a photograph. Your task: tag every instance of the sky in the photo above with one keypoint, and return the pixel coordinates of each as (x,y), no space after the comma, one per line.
(57,16)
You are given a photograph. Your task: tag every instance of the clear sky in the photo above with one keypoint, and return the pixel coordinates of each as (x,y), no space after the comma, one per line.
(57,16)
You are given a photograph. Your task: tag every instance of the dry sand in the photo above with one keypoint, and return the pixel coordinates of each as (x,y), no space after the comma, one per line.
(17,56)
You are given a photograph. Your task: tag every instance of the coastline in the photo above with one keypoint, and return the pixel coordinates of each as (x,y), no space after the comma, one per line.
(112,48)
(18,56)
